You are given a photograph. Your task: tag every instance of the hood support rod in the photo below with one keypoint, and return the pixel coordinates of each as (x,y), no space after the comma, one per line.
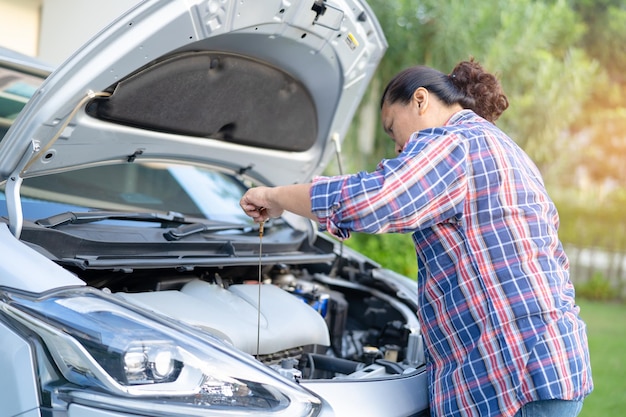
(14,183)
(12,190)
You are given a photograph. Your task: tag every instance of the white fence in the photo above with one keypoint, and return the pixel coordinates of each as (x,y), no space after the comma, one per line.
(587,262)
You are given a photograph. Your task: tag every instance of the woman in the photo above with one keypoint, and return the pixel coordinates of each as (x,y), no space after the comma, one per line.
(502,333)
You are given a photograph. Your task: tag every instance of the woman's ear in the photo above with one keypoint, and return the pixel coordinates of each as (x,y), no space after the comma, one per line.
(420,99)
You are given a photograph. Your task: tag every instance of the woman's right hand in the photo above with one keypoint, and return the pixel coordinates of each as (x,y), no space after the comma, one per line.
(257,204)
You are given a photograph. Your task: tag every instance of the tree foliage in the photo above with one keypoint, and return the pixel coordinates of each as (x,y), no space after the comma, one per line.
(562,65)
(530,45)
(602,126)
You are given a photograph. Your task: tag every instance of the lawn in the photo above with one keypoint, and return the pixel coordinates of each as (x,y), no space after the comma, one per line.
(606,328)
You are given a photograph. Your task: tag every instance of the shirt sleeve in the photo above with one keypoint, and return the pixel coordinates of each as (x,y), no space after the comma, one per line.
(425,185)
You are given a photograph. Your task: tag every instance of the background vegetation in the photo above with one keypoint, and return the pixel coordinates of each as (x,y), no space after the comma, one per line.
(562,64)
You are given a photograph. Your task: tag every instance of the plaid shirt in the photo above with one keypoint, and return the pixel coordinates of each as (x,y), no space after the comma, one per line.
(495,300)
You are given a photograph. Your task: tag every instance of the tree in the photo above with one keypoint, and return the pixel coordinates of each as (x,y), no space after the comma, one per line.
(602,126)
(529,44)
(533,46)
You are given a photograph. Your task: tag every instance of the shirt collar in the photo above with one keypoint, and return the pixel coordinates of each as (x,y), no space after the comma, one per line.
(461,116)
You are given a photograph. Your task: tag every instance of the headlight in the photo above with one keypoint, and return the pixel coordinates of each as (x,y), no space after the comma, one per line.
(107,349)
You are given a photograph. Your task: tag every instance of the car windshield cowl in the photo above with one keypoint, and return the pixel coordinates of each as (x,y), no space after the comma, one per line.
(116,240)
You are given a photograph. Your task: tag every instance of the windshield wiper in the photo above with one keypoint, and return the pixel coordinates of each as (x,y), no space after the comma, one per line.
(185,227)
(70,217)
(185,230)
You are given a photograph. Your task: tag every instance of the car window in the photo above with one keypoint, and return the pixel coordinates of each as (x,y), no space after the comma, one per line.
(16,88)
(189,190)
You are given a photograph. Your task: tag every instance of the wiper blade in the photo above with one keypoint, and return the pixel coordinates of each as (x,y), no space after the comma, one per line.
(185,230)
(70,217)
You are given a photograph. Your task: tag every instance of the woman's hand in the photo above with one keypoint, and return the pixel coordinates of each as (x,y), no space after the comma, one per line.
(264,203)
(257,203)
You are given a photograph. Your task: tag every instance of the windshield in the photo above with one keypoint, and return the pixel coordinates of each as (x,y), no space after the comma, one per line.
(162,188)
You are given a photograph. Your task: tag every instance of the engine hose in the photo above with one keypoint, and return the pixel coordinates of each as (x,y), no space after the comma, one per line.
(337,365)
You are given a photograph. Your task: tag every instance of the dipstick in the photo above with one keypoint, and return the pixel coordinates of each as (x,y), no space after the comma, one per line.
(258,327)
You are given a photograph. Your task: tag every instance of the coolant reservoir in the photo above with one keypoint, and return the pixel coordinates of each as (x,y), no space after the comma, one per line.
(285,321)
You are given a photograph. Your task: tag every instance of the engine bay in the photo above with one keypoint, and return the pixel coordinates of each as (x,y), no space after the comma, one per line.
(306,323)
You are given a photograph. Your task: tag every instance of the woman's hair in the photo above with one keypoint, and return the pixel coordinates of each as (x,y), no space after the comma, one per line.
(468,85)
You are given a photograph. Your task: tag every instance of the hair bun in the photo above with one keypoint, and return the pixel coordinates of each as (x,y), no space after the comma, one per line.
(482,89)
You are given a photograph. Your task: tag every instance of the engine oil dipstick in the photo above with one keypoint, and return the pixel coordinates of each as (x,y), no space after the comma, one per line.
(260,282)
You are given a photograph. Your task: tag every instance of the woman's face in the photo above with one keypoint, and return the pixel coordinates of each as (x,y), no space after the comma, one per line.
(400,121)
(424,111)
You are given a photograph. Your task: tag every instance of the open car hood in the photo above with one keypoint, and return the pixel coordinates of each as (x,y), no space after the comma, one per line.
(258,88)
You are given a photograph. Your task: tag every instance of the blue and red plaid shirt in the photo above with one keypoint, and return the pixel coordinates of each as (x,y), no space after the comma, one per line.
(495,300)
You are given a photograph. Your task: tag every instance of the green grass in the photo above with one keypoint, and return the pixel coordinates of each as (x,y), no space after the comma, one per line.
(606,329)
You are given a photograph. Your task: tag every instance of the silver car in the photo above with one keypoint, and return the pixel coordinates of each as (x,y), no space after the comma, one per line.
(132,284)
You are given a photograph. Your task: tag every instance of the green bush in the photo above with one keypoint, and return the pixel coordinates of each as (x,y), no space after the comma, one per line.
(597,288)
(591,220)
(392,251)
